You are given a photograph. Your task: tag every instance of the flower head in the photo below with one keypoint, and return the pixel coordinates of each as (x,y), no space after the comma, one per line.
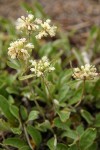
(30,23)
(86,72)
(26,23)
(46,29)
(40,67)
(19,49)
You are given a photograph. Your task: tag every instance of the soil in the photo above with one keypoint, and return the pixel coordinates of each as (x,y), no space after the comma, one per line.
(67,12)
(70,14)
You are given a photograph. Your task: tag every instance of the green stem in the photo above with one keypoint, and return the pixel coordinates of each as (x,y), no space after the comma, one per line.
(37,104)
(48,95)
(4,146)
(25,131)
(29,37)
(82,94)
(35,101)
(55,144)
(39,108)
(27,137)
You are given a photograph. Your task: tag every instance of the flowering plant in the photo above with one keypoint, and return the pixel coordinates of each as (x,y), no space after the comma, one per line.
(46,103)
(86,72)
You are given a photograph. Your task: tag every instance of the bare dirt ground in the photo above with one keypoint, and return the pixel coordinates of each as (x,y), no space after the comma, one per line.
(78,15)
(67,12)
(70,14)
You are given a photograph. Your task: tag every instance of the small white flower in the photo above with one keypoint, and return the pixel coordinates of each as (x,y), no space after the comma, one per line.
(86,72)
(44,58)
(40,67)
(76,69)
(32,69)
(46,64)
(41,34)
(33,62)
(19,49)
(29,24)
(39,73)
(82,67)
(12,53)
(46,29)
(38,21)
(48,20)
(30,16)
(51,68)
(23,54)
(29,45)
(26,23)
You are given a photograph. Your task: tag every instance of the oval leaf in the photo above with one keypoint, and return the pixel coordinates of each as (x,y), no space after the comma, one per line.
(87,138)
(35,134)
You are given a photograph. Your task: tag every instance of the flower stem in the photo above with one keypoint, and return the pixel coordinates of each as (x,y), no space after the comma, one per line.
(37,104)
(81,95)
(27,137)
(39,108)
(48,94)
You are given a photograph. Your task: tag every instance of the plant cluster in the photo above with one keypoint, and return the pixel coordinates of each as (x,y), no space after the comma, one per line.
(46,103)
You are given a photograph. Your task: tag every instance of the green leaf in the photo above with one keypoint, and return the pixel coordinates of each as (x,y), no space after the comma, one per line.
(16,130)
(87,116)
(44,126)
(73,147)
(33,115)
(65,76)
(71,134)
(26,77)
(61,146)
(94,146)
(76,97)
(59,124)
(52,143)
(25,148)
(27,7)
(97,120)
(14,142)
(80,129)
(14,64)
(15,111)
(63,92)
(46,49)
(39,10)
(23,112)
(12,90)
(4,105)
(87,138)
(64,115)
(40,93)
(35,134)
(4,126)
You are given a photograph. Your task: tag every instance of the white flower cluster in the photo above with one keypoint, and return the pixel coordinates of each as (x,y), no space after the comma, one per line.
(46,29)
(42,29)
(41,67)
(26,23)
(86,72)
(19,49)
